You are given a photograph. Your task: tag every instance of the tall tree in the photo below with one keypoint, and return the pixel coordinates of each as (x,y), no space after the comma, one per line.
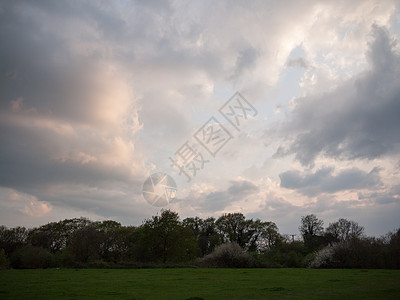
(206,233)
(269,236)
(85,243)
(394,250)
(234,228)
(252,235)
(56,236)
(113,242)
(164,239)
(13,238)
(343,230)
(311,226)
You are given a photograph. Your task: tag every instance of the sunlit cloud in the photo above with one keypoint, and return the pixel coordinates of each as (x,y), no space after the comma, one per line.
(95,97)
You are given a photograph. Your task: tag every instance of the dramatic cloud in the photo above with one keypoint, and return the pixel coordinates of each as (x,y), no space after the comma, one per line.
(323,181)
(209,200)
(96,96)
(358,119)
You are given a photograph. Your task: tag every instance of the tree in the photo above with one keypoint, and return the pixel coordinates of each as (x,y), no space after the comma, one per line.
(269,236)
(112,240)
(394,250)
(210,237)
(31,257)
(13,239)
(311,225)
(56,235)
(285,254)
(206,233)
(234,228)
(49,236)
(164,238)
(252,235)
(343,230)
(311,228)
(84,244)
(4,261)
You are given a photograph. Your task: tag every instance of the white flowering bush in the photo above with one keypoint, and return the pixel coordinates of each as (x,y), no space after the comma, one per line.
(229,255)
(323,258)
(331,256)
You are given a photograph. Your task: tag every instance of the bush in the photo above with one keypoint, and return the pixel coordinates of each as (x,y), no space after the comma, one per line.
(307,261)
(394,250)
(287,255)
(229,255)
(360,253)
(4,262)
(66,259)
(323,258)
(354,253)
(31,257)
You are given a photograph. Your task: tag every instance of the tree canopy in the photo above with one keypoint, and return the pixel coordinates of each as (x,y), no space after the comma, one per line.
(231,240)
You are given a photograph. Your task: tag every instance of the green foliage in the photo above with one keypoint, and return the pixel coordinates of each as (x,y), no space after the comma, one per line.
(311,225)
(12,239)
(234,228)
(252,235)
(344,230)
(165,240)
(206,233)
(85,244)
(31,257)
(311,229)
(358,253)
(4,261)
(286,254)
(393,250)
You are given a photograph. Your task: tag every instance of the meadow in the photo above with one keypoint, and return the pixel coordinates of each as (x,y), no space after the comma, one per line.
(197,283)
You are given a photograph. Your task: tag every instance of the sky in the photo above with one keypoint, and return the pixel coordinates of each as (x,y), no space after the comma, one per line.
(95,96)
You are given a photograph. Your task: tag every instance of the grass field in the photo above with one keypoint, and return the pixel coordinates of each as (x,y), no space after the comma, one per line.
(201,283)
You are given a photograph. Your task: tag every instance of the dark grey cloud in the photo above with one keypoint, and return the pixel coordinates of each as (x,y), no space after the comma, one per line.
(246,60)
(48,75)
(63,122)
(216,201)
(26,159)
(359,119)
(242,188)
(56,67)
(238,190)
(389,196)
(324,181)
(61,114)
(299,62)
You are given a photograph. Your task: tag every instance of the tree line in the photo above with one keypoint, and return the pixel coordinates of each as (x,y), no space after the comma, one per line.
(165,240)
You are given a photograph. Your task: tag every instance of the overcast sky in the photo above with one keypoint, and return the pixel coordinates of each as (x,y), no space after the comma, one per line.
(97,95)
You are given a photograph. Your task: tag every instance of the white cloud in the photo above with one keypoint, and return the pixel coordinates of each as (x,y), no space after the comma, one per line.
(95,96)
(26,204)
(358,119)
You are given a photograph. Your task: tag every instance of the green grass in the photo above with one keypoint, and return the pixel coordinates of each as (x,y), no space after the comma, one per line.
(201,283)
